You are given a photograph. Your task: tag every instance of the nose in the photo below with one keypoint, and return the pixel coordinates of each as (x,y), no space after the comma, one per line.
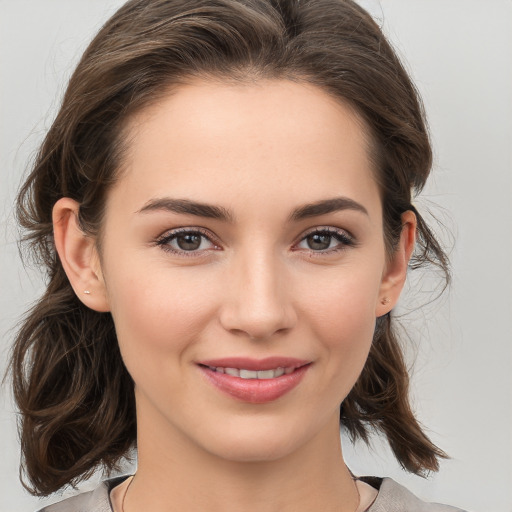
(258,298)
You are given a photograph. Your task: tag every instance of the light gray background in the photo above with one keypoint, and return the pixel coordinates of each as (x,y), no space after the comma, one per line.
(460,54)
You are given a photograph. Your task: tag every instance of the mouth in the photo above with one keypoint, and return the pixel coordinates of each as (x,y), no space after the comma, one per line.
(255,381)
(243,373)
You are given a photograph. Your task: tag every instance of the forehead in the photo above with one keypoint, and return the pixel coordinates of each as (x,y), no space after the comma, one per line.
(265,137)
(213,107)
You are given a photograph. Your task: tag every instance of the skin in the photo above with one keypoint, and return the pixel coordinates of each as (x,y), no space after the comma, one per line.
(255,289)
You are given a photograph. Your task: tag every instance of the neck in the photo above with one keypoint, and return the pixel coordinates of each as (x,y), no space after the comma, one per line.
(175,475)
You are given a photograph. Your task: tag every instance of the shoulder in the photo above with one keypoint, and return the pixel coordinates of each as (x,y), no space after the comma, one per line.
(394,497)
(96,500)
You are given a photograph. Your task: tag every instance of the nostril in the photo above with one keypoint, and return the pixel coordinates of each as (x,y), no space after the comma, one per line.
(257,306)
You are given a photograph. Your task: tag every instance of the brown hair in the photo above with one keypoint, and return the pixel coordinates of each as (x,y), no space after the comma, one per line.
(75,396)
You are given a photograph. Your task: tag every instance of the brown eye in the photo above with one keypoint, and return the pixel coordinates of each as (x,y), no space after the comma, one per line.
(319,241)
(327,240)
(188,242)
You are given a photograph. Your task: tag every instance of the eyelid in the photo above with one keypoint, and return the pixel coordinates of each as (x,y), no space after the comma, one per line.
(327,229)
(163,240)
(345,238)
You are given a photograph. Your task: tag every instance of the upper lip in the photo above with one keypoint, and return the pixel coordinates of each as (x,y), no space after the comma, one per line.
(247,363)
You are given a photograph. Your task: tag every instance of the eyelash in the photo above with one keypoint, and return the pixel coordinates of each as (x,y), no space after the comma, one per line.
(164,241)
(346,240)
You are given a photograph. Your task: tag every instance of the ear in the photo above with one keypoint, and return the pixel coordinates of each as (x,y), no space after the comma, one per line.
(394,275)
(78,255)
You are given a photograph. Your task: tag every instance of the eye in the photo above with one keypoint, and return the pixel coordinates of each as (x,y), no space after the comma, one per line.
(326,240)
(186,242)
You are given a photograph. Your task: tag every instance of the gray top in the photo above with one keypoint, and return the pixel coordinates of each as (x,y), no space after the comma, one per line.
(392,497)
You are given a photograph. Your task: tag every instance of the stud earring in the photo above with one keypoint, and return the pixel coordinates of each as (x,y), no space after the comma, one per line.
(384,301)
(87,292)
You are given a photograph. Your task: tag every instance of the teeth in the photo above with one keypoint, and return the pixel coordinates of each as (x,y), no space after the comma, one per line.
(248,374)
(278,372)
(265,374)
(251,374)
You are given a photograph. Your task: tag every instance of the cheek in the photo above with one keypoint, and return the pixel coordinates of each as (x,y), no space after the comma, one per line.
(345,301)
(158,313)
(342,316)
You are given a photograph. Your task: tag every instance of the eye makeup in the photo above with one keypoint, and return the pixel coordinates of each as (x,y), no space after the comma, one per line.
(318,238)
(195,241)
(187,238)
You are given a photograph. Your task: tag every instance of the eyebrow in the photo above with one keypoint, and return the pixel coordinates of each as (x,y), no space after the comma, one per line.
(326,206)
(188,207)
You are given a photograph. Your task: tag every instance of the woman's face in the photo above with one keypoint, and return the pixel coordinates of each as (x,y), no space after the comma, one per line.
(245,233)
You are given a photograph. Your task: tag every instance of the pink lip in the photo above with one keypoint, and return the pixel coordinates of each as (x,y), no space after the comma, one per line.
(268,363)
(256,391)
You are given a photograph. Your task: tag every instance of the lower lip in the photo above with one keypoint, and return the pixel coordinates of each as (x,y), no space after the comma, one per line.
(255,391)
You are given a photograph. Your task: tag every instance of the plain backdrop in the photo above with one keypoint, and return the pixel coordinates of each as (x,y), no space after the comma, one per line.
(460,55)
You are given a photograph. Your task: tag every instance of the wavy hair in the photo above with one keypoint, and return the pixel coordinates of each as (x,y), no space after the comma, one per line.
(73,391)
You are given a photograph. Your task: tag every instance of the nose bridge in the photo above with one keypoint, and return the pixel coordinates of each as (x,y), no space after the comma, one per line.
(259,301)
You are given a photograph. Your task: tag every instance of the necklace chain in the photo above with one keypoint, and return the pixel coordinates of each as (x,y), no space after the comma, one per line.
(125,493)
(358,495)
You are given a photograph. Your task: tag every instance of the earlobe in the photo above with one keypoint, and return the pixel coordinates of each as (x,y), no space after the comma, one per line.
(395,273)
(78,255)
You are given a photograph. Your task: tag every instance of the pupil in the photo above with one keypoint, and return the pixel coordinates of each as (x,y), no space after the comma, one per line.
(319,241)
(189,242)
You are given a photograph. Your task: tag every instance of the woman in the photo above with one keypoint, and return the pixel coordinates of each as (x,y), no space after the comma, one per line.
(224,207)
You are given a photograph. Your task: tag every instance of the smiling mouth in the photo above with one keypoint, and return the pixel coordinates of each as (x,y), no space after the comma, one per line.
(254,374)
(254,381)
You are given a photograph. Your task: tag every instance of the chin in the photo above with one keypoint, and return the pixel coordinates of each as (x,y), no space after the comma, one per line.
(258,442)
(254,451)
